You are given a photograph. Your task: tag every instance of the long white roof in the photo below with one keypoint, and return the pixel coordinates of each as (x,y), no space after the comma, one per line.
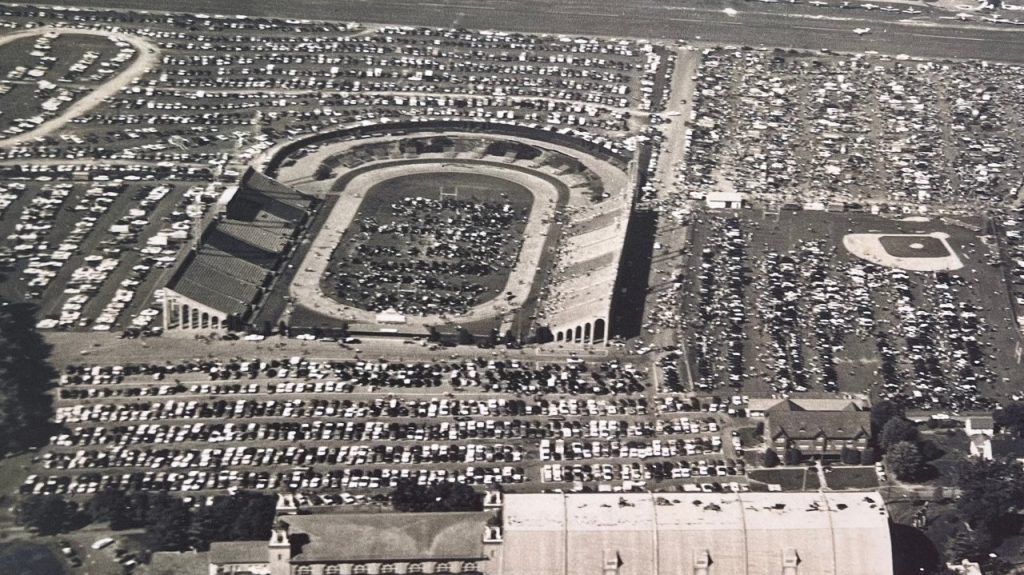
(669,533)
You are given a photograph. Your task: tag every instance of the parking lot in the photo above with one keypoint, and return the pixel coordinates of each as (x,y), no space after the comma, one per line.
(815,127)
(107,202)
(777,305)
(359,426)
(753,303)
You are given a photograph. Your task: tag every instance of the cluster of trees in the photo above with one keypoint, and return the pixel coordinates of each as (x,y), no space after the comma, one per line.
(50,514)
(988,511)
(1010,418)
(25,377)
(790,456)
(169,523)
(410,496)
(906,453)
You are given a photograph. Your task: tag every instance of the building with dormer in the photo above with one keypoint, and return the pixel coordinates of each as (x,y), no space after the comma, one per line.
(582,534)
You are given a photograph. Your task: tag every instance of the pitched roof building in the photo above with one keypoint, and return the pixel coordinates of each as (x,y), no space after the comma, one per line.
(583,534)
(819,432)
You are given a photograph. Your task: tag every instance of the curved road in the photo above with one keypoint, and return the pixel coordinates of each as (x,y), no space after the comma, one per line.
(746,23)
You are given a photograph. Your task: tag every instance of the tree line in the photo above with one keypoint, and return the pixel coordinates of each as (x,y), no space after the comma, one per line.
(169,523)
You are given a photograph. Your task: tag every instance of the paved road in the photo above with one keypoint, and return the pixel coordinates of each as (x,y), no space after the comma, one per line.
(107,348)
(746,23)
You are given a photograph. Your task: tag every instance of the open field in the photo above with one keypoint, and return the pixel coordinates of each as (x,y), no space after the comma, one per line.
(790,479)
(843,477)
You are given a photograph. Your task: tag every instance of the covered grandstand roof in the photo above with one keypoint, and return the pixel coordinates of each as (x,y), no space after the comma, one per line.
(262,198)
(241,250)
(671,533)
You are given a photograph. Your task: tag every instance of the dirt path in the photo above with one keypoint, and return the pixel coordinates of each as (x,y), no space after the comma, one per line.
(147,58)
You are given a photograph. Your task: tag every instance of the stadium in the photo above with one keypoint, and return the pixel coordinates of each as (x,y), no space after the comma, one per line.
(415,229)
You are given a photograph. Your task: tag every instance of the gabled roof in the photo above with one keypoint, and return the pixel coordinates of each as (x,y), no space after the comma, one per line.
(674,533)
(227,552)
(387,536)
(258,194)
(812,424)
(805,404)
(981,422)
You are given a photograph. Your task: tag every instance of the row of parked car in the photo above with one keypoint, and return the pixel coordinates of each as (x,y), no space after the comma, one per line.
(271,456)
(298,478)
(292,431)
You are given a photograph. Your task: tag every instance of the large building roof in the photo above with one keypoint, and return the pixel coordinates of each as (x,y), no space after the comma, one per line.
(762,404)
(812,424)
(387,536)
(672,533)
(262,198)
(225,552)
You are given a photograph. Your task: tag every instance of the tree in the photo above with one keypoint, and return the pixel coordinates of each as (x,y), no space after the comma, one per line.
(971,545)
(905,461)
(408,496)
(167,524)
(850,456)
(25,377)
(110,505)
(990,494)
(49,514)
(455,497)
(882,412)
(897,430)
(323,171)
(543,335)
(433,335)
(510,340)
(793,456)
(771,459)
(239,517)
(1010,417)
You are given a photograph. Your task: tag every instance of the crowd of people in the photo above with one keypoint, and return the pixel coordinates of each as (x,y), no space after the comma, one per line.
(429,256)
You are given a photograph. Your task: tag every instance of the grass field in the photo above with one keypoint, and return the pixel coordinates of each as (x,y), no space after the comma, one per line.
(384,238)
(851,478)
(913,247)
(791,479)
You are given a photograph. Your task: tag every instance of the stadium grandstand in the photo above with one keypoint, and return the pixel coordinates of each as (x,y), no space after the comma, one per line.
(222,280)
(577,308)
